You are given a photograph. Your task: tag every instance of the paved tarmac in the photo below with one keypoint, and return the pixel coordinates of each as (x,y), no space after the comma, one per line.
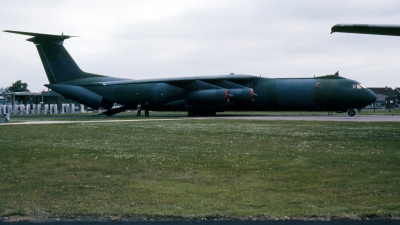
(338,118)
(82,121)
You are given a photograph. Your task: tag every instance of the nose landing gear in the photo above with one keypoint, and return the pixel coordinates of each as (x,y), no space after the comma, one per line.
(351,112)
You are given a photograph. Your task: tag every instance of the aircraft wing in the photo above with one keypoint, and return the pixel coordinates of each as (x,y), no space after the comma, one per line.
(392,30)
(177,81)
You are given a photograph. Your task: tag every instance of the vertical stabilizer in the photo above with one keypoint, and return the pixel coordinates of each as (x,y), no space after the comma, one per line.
(56,60)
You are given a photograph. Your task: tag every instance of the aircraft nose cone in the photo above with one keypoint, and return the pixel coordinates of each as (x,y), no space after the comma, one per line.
(370,96)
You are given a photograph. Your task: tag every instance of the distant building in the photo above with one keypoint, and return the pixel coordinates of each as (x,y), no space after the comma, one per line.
(386,96)
(398,92)
(52,97)
(26,97)
(3,101)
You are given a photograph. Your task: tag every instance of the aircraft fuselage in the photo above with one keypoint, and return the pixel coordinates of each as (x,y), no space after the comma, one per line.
(198,95)
(327,93)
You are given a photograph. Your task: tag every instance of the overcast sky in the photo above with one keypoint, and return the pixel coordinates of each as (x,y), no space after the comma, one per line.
(155,39)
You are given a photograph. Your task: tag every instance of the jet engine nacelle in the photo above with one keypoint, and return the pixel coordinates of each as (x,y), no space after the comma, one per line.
(209,96)
(241,95)
(81,95)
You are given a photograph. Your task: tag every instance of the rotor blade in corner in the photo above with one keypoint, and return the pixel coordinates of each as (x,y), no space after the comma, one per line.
(391,30)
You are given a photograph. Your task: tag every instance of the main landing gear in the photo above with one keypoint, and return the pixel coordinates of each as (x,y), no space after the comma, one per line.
(351,112)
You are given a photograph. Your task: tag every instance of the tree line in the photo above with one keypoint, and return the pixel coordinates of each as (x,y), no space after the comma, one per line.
(17,86)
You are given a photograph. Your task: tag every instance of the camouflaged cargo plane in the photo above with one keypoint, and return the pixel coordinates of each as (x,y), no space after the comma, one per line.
(203,95)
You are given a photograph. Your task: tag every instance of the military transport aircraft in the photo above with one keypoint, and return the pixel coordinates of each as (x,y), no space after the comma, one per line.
(203,95)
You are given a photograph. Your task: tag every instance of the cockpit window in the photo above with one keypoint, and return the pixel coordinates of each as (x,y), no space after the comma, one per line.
(358,86)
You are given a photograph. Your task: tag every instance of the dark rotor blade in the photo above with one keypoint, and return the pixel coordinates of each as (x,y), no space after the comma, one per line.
(392,30)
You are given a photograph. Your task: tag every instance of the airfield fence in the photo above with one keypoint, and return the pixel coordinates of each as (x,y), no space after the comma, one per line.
(66,108)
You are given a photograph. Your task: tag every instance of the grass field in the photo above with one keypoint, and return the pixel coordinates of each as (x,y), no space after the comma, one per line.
(195,169)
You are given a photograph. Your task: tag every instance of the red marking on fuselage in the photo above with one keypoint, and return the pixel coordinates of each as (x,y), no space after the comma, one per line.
(227,95)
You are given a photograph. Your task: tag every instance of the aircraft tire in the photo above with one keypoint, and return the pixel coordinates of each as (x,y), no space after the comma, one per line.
(351,112)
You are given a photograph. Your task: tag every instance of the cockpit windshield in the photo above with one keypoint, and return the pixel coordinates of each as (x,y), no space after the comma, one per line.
(358,86)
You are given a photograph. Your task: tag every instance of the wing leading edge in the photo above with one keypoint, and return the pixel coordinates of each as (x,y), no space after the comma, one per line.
(174,81)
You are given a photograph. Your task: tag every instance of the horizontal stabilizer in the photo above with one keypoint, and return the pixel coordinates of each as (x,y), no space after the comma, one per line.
(37,37)
(392,30)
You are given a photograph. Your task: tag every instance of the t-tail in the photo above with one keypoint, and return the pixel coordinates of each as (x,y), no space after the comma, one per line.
(61,68)
(57,62)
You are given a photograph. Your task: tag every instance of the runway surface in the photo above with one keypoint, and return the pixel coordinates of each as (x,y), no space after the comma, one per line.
(277,118)
(287,118)
(321,118)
